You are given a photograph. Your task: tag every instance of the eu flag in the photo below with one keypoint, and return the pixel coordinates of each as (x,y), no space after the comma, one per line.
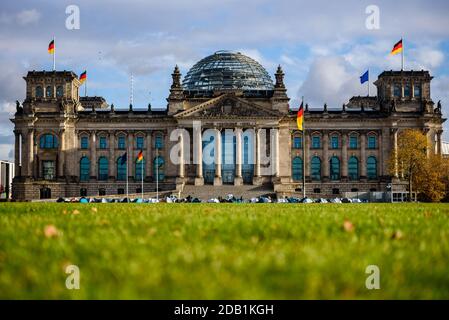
(123,159)
(365,77)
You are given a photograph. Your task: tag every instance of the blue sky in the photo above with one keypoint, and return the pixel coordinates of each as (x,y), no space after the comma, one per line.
(323,47)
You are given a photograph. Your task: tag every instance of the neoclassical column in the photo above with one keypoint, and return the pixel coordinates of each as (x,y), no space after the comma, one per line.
(307,153)
(112,157)
(148,156)
(238,180)
(181,170)
(24,154)
(326,169)
(257,155)
(130,148)
(438,142)
(275,152)
(344,155)
(363,155)
(198,150)
(380,154)
(217,179)
(17,172)
(61,153)
(93,155)
(30,145)
(395,150)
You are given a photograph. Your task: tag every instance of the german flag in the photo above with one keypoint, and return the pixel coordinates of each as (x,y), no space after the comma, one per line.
(140,156)
(300,116)
(397,48)
(83,76)
(51,47)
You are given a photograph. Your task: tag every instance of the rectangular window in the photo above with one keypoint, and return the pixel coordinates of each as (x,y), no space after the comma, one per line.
(334,142)
(84,142)
(159,142)
(397,91)
(103,143)
(353,141)
(372,143)
(417,91)
(48,170)
(121,143)
(316,142)
(407,90)
(297,142)
(139,142)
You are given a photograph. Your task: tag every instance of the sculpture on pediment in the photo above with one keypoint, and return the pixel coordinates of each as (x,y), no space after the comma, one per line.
(438,108)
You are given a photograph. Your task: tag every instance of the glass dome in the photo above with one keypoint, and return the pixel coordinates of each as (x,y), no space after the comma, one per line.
(227,70)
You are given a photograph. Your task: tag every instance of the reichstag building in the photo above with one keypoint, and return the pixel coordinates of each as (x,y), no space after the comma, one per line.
(72,146)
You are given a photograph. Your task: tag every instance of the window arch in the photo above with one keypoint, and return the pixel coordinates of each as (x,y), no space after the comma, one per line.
(297,166)
(334,168)
(371,168)
(103,168)
(121,169)
(158,168)
(39,92)
(315,168)
(48,141)
(140,169)
(353,168)
(49,92)
(84,169)
(59,91)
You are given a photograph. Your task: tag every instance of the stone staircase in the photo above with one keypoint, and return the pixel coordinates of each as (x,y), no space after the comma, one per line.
(208,191)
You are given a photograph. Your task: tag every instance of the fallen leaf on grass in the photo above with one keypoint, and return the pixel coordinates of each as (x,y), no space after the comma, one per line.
(348,226)
(397,235)
(50,231)
(75,212)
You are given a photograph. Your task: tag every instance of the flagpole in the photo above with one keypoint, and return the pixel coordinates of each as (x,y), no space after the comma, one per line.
(368,82)
(54,54)
(157,174)
(141,171)
(85,85)
(303,151)
(402,54)
(127,190)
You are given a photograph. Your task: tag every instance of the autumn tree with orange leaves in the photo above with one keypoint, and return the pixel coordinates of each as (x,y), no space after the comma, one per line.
(426,174)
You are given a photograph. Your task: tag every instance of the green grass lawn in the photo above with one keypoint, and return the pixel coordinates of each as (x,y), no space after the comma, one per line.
(224,251)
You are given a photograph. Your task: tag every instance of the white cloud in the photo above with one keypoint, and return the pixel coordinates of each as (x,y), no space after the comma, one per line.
(26,17)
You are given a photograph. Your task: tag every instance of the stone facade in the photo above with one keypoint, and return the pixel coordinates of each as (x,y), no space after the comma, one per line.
(67,146)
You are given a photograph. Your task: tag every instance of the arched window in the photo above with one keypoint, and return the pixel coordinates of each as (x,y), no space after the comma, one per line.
(49,92)
(84,142)
(103,168)
(39,92)
(139,142)
(315,168)
(139,169)
(48,141)
(59,91)
(334,168)
(121,169)
(371,168)
(353,168)
(158,168)
(84,169)
(297,169)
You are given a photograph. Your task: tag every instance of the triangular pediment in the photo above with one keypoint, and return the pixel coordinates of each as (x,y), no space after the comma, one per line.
(228,106)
